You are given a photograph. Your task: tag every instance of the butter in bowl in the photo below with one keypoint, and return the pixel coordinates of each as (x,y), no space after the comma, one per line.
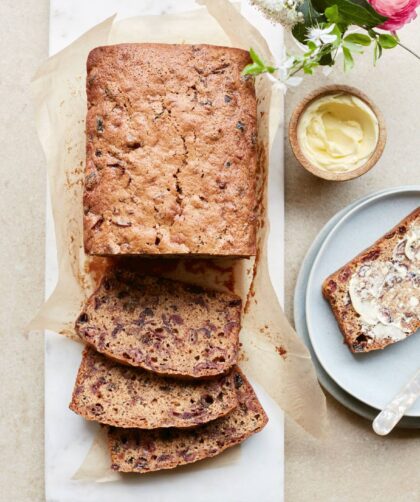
(337,133)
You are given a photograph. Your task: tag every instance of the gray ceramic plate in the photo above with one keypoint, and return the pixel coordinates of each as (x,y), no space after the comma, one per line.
(326,381)
(372,378)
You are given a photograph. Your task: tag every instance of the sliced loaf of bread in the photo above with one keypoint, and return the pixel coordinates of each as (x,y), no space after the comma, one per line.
(164,326)
(119,395)
(141,451)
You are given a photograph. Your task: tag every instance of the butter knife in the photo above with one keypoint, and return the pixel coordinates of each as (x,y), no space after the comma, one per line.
(395,410)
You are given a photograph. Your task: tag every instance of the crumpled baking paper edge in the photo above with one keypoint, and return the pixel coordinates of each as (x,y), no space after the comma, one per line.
(272,353)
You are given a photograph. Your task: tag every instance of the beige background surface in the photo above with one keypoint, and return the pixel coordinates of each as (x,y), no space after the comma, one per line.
(351,463)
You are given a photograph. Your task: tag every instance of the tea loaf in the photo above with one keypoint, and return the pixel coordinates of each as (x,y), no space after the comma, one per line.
(136,450)
(113,394)
(376,296)
(165,326)
(171,151)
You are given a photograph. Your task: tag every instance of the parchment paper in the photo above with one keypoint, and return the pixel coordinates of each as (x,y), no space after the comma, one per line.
(272,354)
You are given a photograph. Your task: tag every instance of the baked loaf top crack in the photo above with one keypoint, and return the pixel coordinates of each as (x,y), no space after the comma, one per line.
(171,151)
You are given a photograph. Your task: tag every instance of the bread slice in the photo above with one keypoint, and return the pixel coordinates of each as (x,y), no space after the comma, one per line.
(164,326)
(376,296)
(119,395)
(136,450)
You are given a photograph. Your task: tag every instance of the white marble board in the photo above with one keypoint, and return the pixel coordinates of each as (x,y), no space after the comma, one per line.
(258,474)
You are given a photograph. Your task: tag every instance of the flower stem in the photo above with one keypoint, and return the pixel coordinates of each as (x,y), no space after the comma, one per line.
(297,70)
(408,49)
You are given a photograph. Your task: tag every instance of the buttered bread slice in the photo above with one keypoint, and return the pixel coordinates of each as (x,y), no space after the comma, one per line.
(376,296)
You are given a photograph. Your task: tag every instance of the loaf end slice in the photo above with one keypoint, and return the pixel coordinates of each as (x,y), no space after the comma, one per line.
(122,396)
(136,450)
(375,297)
(164,326)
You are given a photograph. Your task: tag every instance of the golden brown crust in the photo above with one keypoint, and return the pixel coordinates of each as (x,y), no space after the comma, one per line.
(335,287)
(171,155)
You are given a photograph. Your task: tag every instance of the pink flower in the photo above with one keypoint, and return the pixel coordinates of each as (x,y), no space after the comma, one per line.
(398,12)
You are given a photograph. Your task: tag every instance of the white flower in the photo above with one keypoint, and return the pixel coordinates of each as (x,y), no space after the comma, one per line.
(281,11)
(321,36)
(283,71)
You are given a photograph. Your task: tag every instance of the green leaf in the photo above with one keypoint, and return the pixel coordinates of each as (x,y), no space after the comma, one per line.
(333,15)
(258,66)
(358,38)
(253,69)
(358,12)
(377,53)
(270,69)
(312,45)
(348,60)
(353,47)
(387,41)
(319,5)
(337,32)
(299,32)
(326,60)
(254,56)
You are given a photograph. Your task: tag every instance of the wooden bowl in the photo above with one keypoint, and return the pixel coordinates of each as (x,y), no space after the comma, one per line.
(321,173)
